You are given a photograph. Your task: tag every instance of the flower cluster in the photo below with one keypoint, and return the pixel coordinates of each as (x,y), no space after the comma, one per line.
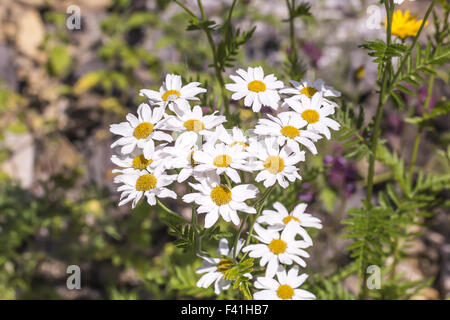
(169,140)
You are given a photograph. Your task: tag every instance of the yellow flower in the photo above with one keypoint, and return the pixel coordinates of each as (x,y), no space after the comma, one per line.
(405,25)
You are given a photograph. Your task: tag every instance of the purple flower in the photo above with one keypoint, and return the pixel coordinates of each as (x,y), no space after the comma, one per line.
(422,97)
(307,194)
(394,124)
(313,52)
(207,110)
(342,174)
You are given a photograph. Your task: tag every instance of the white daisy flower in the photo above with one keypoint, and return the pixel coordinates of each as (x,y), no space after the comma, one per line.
(279,218)
(277,249)
(257,89)
(215,268)
(236,137)
(172,91)
(288,128)
(140,131)
(181,155)
(309,89)
(193,121)
(286,288)
(275,164)
(311,111)
(139,184)
(214,199)
(139,162)
(222,159)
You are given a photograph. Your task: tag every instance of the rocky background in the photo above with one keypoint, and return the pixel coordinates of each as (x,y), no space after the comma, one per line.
(60,89)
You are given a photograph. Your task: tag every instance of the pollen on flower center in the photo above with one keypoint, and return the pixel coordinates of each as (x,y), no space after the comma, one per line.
(274,164)
(290,132)
(222,160)
(277,246)
(146,182)
(194,125)
(171,95)
(221,195)
(140,163)
(257,86)
(287,219)
(310,116)
(285,292)
(143,130)
(308,91)
(223,265)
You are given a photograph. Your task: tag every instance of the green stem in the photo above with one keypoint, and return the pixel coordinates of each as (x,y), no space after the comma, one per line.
(227,180)
(426,107)
(166,209)
(383,97)
(374,144)
(186,9)
(379,113)
(405,57)
(260,205)
(217,70)
(212,45)
(291,8)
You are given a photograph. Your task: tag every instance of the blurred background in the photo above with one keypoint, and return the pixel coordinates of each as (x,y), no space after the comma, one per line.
(60,89)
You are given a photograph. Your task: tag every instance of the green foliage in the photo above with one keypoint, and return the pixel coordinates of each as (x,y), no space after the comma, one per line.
(294,66)
(400,289)
(415,69)
(371,228)
(353,133)
(440,109)
(237,274)
(383,229)
(302,10)
(331,287)
(229,46)
(197,24)
(382,52)
(189,235)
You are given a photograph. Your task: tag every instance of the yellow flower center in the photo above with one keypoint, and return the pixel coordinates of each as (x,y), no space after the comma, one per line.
(140,163)
(221,195)
(277,246)
(143,130)
(222,160)
(274,164)
(224,265)
(243,144)
(287,219)
(257,86)
(146,182)
(308,91)
(285,291)
(290,132)
(171,95)
(310,115)
(194,125)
